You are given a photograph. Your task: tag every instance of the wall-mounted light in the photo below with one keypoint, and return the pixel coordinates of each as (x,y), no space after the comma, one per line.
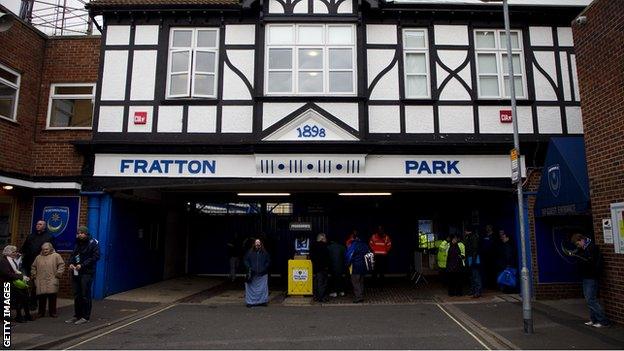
(365,194)
(7,187)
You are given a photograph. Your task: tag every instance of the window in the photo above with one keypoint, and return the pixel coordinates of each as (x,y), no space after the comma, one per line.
(310,59)
(193,59)
(9,93)
(71,106)
(492,65)
(416,63)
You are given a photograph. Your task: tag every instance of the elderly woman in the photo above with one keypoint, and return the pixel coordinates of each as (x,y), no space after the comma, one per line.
(46,270)
(10,272)
(257,262)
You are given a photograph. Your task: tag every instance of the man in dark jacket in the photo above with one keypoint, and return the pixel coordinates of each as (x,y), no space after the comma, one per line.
(355,258)
(30,249)
(590,267)
(473,260)
(82,264)
(336,269)
(320,266)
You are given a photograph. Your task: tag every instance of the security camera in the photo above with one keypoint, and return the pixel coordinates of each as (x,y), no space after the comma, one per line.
(581,20)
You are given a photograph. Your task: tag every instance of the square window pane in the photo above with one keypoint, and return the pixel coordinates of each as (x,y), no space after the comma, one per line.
(179,84)
(205,61)
(204,84)
(310,35)
(182,38)
(340,35)
(485,40)
(207,38)
(281,35)
(518,86)
(71,113)
(416,86)
(515,40)
(341,82)
(488,86)
(73,90)
(4,74)
(414,39)
(486,63)
(7,101)
(280,58)
(310,82)
(340,59)
(517,67)
(280,82)
(180,61)
(416,63)
(310,59)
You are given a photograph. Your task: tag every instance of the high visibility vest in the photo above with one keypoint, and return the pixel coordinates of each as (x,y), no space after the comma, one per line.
(379,245)
(443,253)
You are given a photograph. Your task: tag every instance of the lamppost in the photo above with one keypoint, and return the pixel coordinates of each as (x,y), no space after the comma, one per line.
(527,314)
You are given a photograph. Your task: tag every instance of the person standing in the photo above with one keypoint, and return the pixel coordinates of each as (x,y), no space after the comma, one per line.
(455,266)
(471,242)
(351,237)
(487,252)
(355,259)
(380,244)
(46,271)
(30,249)
(82,264)
(590,268)
(319,254)
(257,261)
(10,272)
(506,257)
(234,253)
(336,268)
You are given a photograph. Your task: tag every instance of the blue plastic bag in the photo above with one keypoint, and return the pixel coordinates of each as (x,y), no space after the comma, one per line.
(508,277)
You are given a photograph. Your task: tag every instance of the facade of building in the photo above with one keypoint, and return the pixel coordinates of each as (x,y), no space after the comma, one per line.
(599,42)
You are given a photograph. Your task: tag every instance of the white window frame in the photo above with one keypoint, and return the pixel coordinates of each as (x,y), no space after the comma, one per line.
(324,47)
(17,91)
(424,50)
(500,50)
(69,97)
(192,50)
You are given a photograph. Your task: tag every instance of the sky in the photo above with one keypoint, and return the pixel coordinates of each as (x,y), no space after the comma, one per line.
(44,15)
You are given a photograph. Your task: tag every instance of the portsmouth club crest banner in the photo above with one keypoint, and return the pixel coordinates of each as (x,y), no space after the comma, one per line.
(61,217)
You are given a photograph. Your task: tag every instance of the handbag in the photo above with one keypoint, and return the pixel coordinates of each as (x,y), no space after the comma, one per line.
(508,277)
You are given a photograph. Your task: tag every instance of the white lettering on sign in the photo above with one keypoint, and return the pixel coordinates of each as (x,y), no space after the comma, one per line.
(506,116)
(140,117)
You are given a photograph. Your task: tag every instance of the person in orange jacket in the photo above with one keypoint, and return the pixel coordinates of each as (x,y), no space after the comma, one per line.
(380,244)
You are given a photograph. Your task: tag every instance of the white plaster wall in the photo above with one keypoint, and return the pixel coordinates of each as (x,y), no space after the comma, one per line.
(117,35)
(233,86)
(543,89)
(577,94)
(384,119)
(319,7)
(419,119)
(489,120)
(456,119)
(377,61)
(114,75)
(110,119)
(574,119)
(541,36)
(346,112)
(381,34)
(453,90)
(240,34)
(301,7)
(243,60)
(451,34)
(549,120)
(275,7)
(346,7)
(387,88)
(273,112)
(146,35)
(140,128)
(564,35)
(565,77)
(169,119)
(202,119)
(237,119)
(143,75)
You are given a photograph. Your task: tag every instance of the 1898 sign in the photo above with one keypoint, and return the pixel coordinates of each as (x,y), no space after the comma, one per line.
(310,132)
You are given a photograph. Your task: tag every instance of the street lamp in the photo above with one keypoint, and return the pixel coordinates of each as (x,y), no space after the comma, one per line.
(524,273)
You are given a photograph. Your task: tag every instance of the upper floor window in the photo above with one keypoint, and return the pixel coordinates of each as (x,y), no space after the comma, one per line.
(416,63)
(9,93)
(493,66)
(71,106)
(193,59)
(310,59)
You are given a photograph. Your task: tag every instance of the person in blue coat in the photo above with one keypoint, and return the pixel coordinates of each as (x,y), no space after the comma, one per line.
(257,261)
(355,259)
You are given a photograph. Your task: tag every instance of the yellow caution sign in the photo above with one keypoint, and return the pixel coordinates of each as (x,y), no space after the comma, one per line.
(299,277)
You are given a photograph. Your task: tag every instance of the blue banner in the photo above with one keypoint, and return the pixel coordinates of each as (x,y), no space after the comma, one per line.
(61,215)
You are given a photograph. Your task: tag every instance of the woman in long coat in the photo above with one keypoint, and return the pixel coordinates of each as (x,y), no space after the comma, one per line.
(10,272)
(257,261)
(46,270)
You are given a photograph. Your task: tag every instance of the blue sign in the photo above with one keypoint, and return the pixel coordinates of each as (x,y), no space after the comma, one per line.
(168,166)
(61,217)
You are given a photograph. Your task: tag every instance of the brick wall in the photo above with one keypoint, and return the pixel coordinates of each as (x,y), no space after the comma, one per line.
(599,45)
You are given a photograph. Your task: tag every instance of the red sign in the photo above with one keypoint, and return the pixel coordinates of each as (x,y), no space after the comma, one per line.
(140,117)
(505,116)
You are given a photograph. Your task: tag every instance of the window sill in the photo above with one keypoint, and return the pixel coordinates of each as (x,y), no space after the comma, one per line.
(67,128)
(14,121)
